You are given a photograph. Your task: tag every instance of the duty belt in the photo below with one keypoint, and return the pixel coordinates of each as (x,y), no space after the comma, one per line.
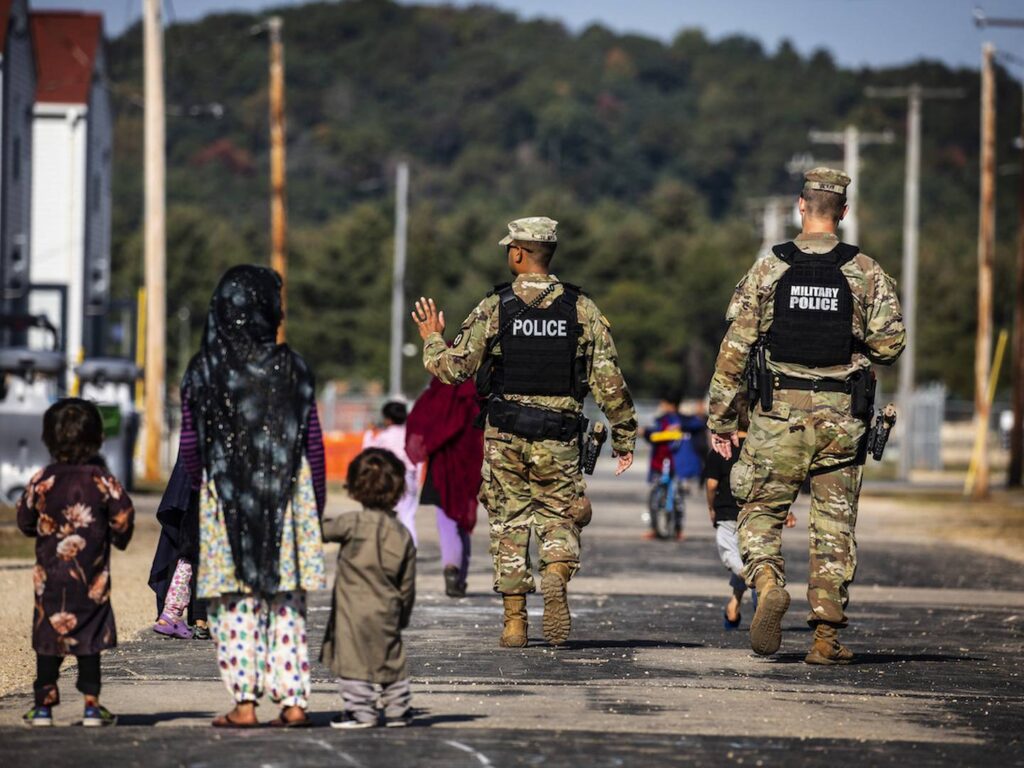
(532,423)
(812,385)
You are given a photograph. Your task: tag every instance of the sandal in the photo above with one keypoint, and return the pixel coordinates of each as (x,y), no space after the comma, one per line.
(201,632)
(165,625)
(225,721)
(281,722)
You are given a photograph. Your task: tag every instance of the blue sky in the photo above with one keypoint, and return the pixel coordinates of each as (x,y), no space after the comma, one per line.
(857,32)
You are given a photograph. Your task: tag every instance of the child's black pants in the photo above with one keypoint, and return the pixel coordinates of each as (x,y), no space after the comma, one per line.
(48,670)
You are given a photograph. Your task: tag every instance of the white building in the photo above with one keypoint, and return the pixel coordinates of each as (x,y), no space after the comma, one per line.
(17,94)
(71,177)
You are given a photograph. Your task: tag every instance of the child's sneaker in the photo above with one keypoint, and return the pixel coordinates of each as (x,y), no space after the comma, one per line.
(348,723)
(397,722)
(39,717)
(97,716)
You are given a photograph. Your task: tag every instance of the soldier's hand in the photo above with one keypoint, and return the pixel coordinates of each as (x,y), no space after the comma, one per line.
(625,462)
(790,520)
(427,318)
(723,443)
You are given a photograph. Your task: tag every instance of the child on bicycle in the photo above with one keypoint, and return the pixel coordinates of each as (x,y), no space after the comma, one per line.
(665,436)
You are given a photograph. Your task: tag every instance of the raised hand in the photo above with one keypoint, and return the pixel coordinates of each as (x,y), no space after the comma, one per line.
(427,318)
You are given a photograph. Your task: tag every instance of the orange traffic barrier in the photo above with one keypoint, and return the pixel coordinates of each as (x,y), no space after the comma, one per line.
(339,449)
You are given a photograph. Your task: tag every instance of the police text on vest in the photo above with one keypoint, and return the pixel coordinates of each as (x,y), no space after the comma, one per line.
(530,327)
(814,297)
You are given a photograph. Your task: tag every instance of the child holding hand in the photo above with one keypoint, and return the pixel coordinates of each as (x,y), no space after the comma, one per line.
(374,594)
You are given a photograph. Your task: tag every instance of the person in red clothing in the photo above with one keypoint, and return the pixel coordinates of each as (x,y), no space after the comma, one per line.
(441,432)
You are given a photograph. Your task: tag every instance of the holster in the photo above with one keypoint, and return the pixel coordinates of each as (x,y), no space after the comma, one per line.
(862,406)
(532,423)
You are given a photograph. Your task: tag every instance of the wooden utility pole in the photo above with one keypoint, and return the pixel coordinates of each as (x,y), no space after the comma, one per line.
(155,241)
(1017,432)
(986,248)
(278,211)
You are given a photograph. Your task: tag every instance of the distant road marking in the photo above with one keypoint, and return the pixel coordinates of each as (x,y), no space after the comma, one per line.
(343,755)
(481,758)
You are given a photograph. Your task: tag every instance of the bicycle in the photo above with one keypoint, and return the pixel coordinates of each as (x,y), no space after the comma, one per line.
(667,504)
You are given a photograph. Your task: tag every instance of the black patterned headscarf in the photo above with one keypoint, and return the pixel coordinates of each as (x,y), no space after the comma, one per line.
(250,398)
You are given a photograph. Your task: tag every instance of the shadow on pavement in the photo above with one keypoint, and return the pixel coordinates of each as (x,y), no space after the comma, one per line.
(870,657)
(163,717)
(582,645)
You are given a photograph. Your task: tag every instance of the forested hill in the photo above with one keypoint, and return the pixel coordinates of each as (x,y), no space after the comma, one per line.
(649,154)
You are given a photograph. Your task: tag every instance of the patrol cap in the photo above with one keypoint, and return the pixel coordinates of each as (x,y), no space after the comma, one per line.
(826,180)
(537,229)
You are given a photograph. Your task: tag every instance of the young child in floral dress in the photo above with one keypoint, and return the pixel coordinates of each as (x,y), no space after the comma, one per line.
(75,509)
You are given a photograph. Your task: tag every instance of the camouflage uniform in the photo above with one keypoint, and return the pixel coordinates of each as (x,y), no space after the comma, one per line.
(536,483)
(806,432)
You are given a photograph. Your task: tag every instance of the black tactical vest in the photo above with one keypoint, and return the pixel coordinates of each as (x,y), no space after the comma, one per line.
(813,324)
(538,349)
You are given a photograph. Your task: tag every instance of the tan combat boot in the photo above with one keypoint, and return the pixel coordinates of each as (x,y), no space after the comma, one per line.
(826,648)
(513,635)
(557,619)
(772,604)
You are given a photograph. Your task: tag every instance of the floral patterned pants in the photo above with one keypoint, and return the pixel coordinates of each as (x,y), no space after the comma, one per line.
(261,646)
(180,592)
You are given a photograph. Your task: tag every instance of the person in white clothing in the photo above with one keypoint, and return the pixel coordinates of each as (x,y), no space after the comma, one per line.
(392,438)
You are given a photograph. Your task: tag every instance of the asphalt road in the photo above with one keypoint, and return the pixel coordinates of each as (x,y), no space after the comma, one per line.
(649,678)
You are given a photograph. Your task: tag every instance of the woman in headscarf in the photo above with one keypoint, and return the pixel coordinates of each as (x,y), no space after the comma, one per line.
(251,441)
(440,431)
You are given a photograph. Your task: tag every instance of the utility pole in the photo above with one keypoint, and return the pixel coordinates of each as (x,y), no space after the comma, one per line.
(155,240)
(986,248)
(1017,431)
(915,96)
(851,139)
(398,276)
(278,211)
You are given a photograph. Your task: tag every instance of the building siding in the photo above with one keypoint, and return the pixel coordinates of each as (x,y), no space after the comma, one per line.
(19,85)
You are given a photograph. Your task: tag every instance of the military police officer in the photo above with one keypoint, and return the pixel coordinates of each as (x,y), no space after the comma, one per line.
(537,346)
(815,313)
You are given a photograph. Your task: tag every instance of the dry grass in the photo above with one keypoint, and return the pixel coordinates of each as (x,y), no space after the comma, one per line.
(134,606)
(995,526)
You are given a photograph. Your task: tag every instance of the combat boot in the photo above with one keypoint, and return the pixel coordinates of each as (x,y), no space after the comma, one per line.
(826,648)
(557,619)
(772,604)
(514,633)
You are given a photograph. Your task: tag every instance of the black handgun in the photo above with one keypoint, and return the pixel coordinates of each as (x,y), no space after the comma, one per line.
(593,441)
(879,433)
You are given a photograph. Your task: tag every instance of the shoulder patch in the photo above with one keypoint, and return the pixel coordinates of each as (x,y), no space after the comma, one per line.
(457,339)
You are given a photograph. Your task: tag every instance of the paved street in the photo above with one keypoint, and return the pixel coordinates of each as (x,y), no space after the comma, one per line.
(650,678)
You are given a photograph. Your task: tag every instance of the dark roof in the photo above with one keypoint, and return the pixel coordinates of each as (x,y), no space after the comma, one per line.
(66,43)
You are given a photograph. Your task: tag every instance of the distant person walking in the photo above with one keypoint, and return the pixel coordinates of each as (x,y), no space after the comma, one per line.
(75,510)
(251,439)
(392,438)
(440,431)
